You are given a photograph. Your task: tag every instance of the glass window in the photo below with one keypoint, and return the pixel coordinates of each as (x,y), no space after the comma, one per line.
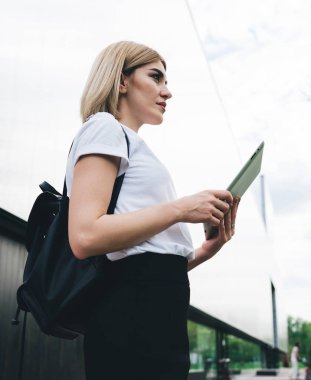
(243,354)
(202,341)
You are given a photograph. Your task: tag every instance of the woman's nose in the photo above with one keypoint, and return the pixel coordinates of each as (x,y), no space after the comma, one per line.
(166,93)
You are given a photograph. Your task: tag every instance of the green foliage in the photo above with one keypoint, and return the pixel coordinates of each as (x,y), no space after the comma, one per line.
(300,331)
(202,342)
(243,354)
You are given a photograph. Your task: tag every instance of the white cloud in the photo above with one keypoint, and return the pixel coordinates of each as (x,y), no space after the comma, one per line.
(291,187)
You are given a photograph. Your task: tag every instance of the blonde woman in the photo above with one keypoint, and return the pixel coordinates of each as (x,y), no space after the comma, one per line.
(138,329)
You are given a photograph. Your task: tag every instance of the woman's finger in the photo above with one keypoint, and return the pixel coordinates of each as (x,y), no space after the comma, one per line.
(228,224)
(222,230)
(233,213)
(217,214)
(221,205)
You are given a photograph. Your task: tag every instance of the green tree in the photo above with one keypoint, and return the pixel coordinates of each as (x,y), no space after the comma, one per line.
(300,331)
(243,354)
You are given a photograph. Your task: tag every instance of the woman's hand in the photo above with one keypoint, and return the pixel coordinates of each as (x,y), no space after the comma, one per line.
(205,206)
(226,230)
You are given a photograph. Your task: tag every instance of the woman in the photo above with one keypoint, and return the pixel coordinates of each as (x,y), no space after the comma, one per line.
(138,330)
(294,358)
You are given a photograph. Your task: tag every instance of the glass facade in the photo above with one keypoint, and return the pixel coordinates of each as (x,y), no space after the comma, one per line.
(243,354)
(202,342)
(230,355)
(45,65)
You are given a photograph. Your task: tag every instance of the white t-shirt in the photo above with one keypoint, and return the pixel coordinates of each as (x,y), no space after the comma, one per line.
(147,182)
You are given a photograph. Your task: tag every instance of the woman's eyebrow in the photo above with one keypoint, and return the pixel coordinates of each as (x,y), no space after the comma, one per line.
(160,73)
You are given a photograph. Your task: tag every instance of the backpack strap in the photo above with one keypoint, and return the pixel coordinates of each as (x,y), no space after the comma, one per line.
(15,321)
(118,182)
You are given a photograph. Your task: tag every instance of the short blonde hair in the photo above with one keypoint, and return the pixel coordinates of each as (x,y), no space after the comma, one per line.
(101,91)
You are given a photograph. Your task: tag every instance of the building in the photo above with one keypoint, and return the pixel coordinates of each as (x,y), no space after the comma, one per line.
(237,296)
(215,344)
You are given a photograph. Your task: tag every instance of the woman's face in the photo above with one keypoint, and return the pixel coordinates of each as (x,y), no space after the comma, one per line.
(143,95)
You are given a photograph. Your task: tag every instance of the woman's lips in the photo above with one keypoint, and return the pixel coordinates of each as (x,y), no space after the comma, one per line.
(162,104)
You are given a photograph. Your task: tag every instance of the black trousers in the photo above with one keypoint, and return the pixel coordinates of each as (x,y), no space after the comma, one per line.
(138,330)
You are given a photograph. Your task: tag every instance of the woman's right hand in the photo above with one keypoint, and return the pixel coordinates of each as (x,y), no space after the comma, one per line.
(205,206)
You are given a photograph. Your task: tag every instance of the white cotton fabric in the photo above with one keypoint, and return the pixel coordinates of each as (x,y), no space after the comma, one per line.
(147,182)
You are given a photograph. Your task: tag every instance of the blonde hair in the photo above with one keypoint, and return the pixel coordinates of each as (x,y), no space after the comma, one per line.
(101,91)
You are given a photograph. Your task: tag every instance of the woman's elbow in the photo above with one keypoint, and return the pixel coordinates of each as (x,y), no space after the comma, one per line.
(80,245)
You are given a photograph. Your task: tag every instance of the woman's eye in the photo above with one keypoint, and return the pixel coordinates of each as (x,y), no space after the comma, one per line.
(156,77)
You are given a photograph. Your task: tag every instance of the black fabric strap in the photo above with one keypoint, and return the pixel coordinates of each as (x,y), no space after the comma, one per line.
(46,187)
(65,186)
(22,349)
(118,183)
(15,321)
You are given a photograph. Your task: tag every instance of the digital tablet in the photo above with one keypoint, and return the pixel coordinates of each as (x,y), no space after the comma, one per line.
(241,183)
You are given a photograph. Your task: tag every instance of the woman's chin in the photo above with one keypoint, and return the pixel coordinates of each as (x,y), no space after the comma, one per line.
(155,120)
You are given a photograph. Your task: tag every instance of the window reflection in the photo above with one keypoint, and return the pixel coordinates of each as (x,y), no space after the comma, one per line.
(236,356)
(243,355)
(202,341)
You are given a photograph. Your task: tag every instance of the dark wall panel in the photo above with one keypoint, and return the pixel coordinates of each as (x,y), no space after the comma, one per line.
(45,357)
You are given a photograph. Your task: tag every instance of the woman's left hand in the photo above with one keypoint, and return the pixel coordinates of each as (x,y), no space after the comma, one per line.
(225,232)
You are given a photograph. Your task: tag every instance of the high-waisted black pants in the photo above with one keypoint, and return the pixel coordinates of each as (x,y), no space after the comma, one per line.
(138,330)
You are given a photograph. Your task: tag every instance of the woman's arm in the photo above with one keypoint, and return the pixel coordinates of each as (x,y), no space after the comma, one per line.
(93,232)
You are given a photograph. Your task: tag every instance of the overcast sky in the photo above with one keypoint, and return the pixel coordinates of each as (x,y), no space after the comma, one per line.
(259,55)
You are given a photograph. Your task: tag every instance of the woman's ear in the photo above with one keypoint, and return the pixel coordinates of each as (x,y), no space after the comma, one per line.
(123,84)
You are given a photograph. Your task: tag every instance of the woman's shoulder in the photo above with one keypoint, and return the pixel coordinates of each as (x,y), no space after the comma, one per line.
(100,134)
(103,116)
(104,128)
(103,119)
(100,125)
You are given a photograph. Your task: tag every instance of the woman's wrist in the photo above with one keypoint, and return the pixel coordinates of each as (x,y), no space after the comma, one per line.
(197,260)
(201,255)
(177,211)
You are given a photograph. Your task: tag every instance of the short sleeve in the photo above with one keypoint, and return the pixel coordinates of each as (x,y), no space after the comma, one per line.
(101,134)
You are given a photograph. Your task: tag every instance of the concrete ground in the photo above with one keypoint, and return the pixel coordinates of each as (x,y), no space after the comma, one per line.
(282,374)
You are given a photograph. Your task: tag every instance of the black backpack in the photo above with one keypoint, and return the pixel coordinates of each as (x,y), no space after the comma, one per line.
(58,289)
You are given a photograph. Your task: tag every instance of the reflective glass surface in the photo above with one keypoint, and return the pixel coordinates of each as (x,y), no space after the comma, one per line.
(202,342)
(242,354)
(46,55)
